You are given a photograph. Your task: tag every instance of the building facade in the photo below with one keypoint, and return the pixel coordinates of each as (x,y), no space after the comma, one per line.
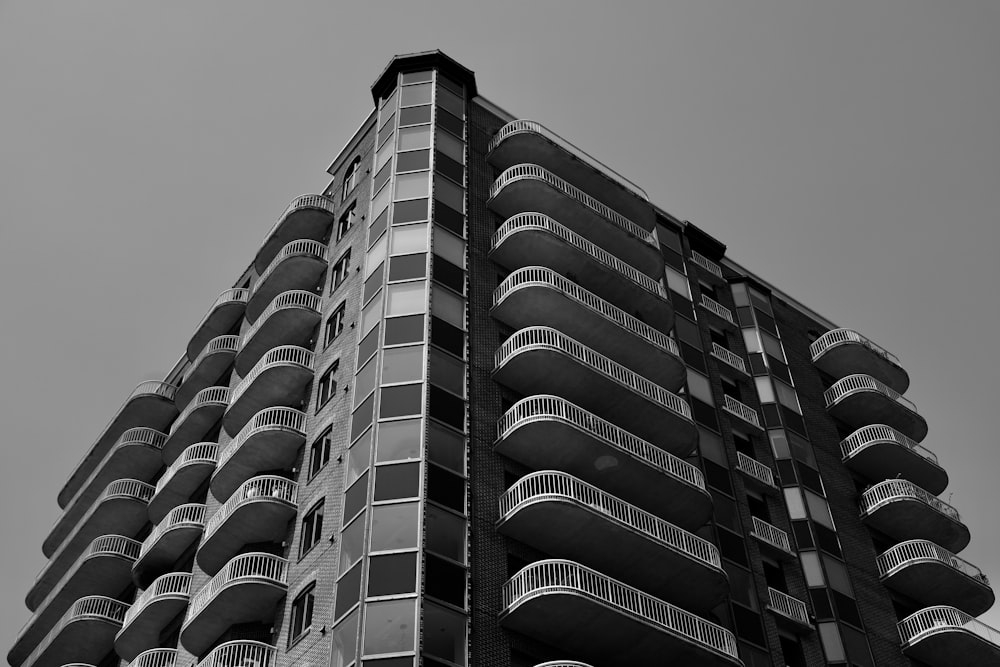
(481,403)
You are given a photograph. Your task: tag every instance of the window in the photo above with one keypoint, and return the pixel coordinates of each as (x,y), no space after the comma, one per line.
(312,529)
(351,178)
(334,324)
(346,220)
(319,452)
(327,385)
(340,271)
(302,612)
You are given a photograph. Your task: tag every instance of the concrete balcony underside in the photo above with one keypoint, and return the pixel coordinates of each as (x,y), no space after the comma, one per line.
(307,217)
(852,357)
(885,459)
(143,632)
(909,518)
(206,374)
(864,407)
(196,425)
(286,326)
(282,384)
(932,582)
(535,246)
(945,637)
(219,321)
(184,481)
(294,272)
(162,556)
(86,640)
(263,519)
(540,304)
(266,450)
(244,600)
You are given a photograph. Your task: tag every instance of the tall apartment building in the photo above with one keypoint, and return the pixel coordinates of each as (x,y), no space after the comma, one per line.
(482,403)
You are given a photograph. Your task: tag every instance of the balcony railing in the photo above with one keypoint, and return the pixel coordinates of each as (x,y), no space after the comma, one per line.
(241,652)
(562,663)
(270,419)
(773,535)
(173,585)
(855,383)
(256,567)
(788,606)
(754,468)
(208,396)
(198,453)
(228,344)
(301,247)
(928,621)
(714,306)
(868,435)
(842,336)
(182,516)
(90,608)
(303,201)
(207,330)
(265,487)
(706,263)
(729,357)
(907,553)
(897,489)
(285,300)
(280,356)
(742,411)
(156,657)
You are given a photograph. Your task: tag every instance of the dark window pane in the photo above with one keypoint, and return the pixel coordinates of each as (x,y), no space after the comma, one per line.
(672,258)
(409,211)
(766,322)
(447,337)
(450,168)
(362,417)
(407,267)
(847,609)
(449,84)
(725,511)
(356,497)
(378,226)
(448,274)
(786,472)
(397,481)
(803,538)
(718,477)
(779,369)
(409,329)
(704,414)
(693,357)
(386,131)
(771,418)
(793,420)
(446,407)
(450,123)
(392,574)
(416,77)
(374,283)
(367,346)
(827,540)
(810,478)
(450,101)
(413,160)
(449,218)
(348,591)
(445,581)
(687,332)
(382,176)
(414,116)
(400,401)
(389,662)
(748,625)
(682,306)
(744,315)
(821,603)
(731,547)
(757,366)
(446,488)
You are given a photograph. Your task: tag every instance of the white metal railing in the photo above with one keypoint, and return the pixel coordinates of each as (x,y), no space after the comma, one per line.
(838,337)
(897,489)
(711,305)
(155,657)
(706,263)
(233,295)
(914,551)
(229,344)
(562,663)
(744,412)
(773,535)
(301,202)
(789,606)
(549,484)
(538,221)
(256,566)
(198,453)
(546,337)
(754,468)
(268,419)
(285,300)
(90,608)
(563,576)
(553,408)
(293,249)
(173,584)
(880,433)
(239,653)
(142,435)
(183,516)
(540,276)
(207,396)
(284,355)
(521,172)
(932,620)
(860,382)
(729,357)
(264,488)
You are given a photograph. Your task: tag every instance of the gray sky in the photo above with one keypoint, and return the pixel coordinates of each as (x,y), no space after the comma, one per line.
(847,151)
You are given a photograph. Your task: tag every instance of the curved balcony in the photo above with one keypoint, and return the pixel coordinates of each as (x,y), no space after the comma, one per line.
(136,453)
(879,452)
(269,441)
(156,657)
(530,188)
(197,420)
(259,511)
(843,352)
(861,400)
(903,511)
(104,568)
(539,296)
(548,432)
(948,637)
(931,575)
(533,239)
(220,319)
(289,320)
(569,606)
(567,518)
(151,612)
(246,590)
(85,634)
(280,378)
(121,508)
(562,663)
(298,266)
(167,542)
(241,652)
(542,360)
(150,404)
(182,478)
(528,141)
(208,367)
(307,217)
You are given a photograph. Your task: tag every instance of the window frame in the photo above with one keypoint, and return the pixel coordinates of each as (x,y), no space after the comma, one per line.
(347,219)
(350,180)
(326,387)
(340,271)
(301,612)
(310,528)
(338,317)
(324,445)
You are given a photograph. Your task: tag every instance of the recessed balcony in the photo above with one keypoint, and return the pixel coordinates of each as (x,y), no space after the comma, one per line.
(289,320)
(85,634)
(528,141)
(280,378)
(208,367)
(789,611)
(307,217)
(259,511)
(269,441)
(197,420)
(707,264)
(149,615)
(773,541)
(530,188)
(844,352)
(121,508)
(298,266)
(542,360)
(241,652)
(104,568)
(879,452)
(182,479)
(533,239)
(550,433)
(540,296)
(137,454)
(717,309)
(744,412)
(156,657)
(572,607)
(931,575)
(756,474)
(151,404)
(167,542)
(861,400)
(567,518)
(730,358)
(948,637)
(903,511)
(220,319)
(246,590)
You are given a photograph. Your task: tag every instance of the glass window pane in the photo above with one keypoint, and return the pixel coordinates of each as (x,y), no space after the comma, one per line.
(446,534)
(447,372)
(345,641)
(414,77)
(388,104)
(409,329)
(779,444)
(348,591)
(395,526)
(699,386)
(450,101)
(446,448)
(412,238)
(415,115)
(410,95)
(406,298)
(752,341)
(449,193)
(819,509)
(411,210)
(412,138)
(356,497)
(397,481)
(410,186)
(392,574)
(449,246)
(381,178)
(449,307)
(371,315)
(811,568)
(358,457)
(352,543)
(444,634)
(796,507)
(712,447)
(787,397)
(401,401)
(376,257)
(830,638)
(368,345)
(383,155)
(837,573)
(381,201)
(764,389)
(403,364)
(408,267)
(450,145)
(364,382)
(740,296)
(390,626)
(398,440)
(772,346)
(413,161)
(362,417)
(678,282)
(374,283)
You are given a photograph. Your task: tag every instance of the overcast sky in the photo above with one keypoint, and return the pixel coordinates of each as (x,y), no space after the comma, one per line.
(847,151)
